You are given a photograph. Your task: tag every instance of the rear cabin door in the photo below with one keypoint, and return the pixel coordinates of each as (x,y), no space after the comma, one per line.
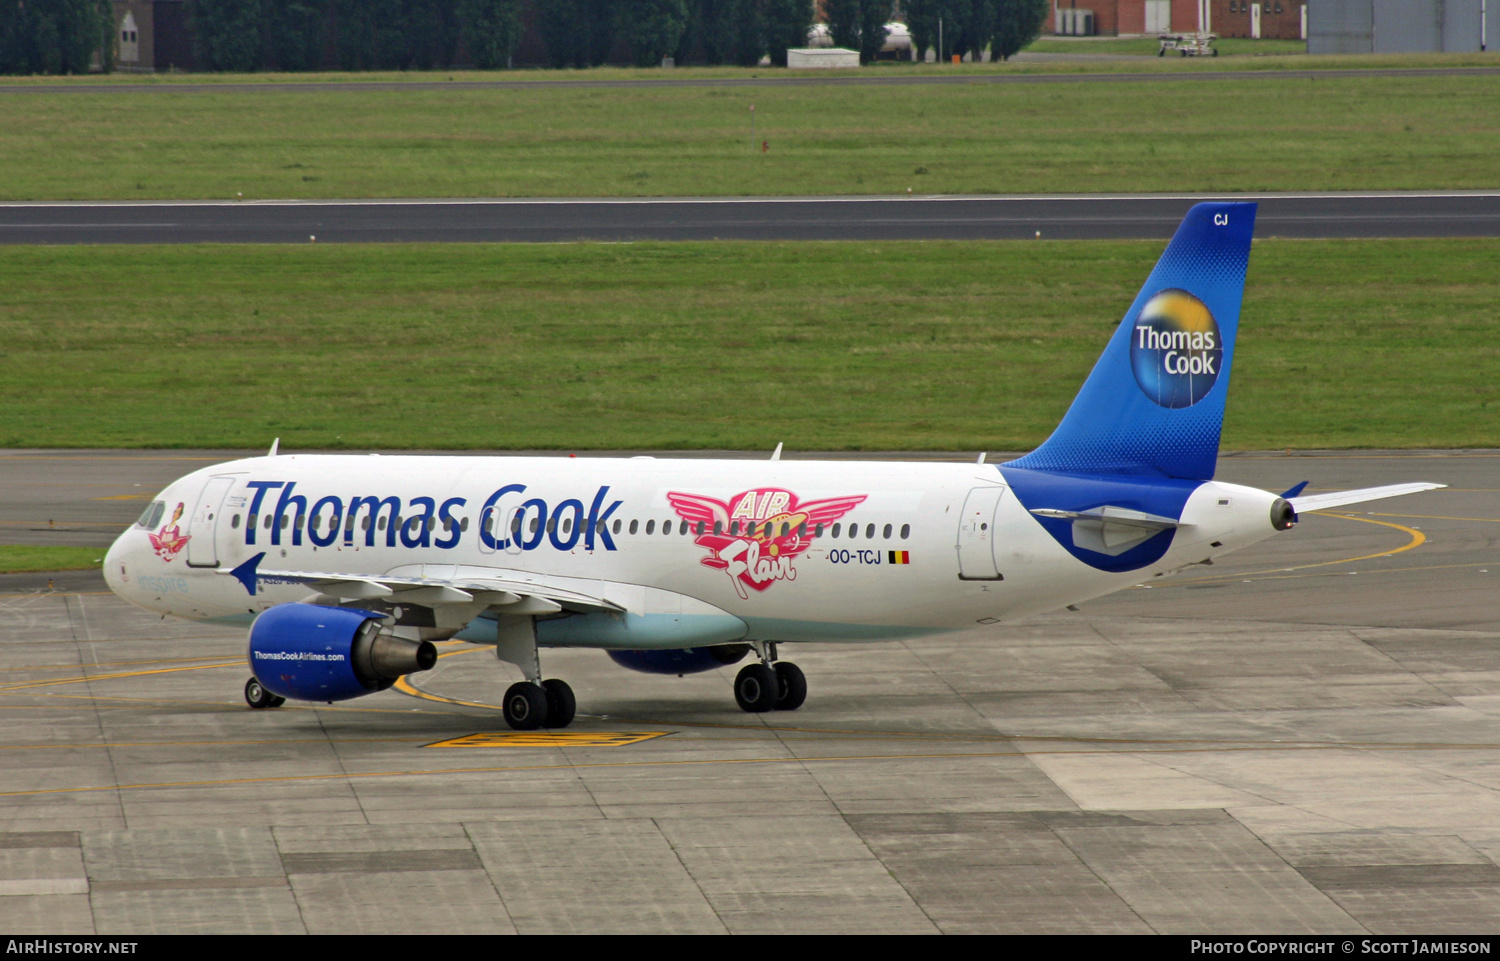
(976,535)
(202,550)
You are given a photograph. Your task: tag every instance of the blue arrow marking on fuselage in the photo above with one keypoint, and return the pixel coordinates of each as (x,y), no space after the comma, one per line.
(246,575)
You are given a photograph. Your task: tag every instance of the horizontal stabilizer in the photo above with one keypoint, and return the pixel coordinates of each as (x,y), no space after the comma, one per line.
(1318,502)
(1112,515)
(1110,530)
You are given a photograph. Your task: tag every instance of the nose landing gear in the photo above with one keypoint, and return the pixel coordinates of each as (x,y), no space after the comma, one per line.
(258,697)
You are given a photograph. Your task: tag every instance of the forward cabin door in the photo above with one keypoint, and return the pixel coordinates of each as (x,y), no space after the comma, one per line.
(976,535)
(202,550)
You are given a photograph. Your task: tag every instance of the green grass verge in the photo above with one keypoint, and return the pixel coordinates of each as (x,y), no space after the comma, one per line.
(947,346)
(1330,132)
(879,70)
(27,558)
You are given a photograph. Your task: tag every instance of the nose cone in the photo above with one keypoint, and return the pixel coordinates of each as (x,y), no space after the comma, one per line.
(117,563)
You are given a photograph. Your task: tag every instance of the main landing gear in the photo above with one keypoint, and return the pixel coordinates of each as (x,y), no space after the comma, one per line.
(257,696)
(771,685)
(532,703)
(529,705)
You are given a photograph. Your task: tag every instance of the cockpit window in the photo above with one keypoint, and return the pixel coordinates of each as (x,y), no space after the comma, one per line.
(151,516)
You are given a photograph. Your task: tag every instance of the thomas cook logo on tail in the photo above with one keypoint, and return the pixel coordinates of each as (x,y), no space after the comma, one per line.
(1176,350)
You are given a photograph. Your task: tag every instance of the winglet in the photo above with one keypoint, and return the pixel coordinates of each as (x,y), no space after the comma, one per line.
(246,575)
(1295,490)
(777,454)
(275,446)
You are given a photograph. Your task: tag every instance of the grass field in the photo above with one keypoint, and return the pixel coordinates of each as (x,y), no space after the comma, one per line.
(719,345)
(21,559)
(1330,132)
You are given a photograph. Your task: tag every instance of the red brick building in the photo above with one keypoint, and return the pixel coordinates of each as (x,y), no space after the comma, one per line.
(1281,19)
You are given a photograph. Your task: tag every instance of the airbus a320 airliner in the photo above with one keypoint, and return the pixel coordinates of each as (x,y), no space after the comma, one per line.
(347,568)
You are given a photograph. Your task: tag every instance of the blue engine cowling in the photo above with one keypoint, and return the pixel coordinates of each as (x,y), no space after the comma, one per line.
(315,653)
(692,660)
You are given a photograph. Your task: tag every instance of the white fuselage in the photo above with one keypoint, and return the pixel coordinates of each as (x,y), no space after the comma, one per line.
(880,555)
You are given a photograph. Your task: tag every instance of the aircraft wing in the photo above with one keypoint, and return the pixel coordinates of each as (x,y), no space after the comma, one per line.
(1318,502)
(510,592)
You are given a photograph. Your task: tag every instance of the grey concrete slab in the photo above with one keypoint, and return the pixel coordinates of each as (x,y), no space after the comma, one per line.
(201,909)
(945,861)
(221,852)
(1204,877)
(617,876)
(793,874)
(53,914)
(422,835)
(405,903)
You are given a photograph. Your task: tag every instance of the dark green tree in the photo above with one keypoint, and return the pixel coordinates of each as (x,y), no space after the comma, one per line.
(295,33)
(733,31)
(967,25)
(55,36)
(227,34)
(431,34)
(1017,23)
(370,34)
(858,25)
(873,16)
(653,28)
(843,22)
(787,23)
(577,33)
(490,29)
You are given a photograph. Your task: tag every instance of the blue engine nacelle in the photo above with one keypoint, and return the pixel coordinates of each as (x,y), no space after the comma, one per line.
(692,660)
(315,653)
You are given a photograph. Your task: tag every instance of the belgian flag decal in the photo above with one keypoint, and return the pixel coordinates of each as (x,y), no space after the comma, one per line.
(900,557)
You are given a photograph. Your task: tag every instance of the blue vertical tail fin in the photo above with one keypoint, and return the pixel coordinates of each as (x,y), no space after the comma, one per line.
(1154,403)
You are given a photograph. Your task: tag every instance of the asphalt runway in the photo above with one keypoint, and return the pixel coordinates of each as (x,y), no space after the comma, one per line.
(1300,738)
(1363,215)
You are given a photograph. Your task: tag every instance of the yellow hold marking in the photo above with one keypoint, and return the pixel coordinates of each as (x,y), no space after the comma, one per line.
(551,739)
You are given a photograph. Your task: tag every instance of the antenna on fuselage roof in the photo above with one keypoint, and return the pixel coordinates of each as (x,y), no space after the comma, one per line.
(777,454)
(275,446)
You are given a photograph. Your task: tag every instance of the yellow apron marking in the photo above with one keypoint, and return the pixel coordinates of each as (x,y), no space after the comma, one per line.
(30,685)
(1417,540)
(551,739)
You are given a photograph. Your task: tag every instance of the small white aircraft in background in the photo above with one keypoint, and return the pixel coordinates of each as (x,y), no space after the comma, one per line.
(347,567)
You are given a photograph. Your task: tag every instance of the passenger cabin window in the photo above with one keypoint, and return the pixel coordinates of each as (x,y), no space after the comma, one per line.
(836,529)
(633,525)
(905,531)
(617,525)
(887,532)
(651,527)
